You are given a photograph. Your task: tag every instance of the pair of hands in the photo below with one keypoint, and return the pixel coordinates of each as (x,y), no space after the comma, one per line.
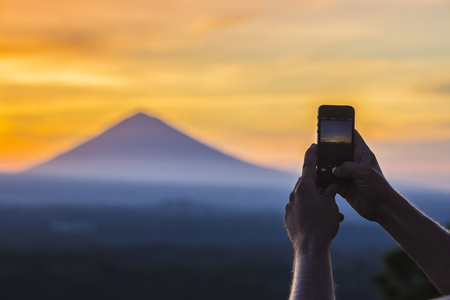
(312,217)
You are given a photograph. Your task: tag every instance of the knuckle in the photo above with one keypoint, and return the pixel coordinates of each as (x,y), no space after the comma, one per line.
(367,172)
(291,196)
(287,207)
(304,187)
(287,212)
(369,156)
(372,157)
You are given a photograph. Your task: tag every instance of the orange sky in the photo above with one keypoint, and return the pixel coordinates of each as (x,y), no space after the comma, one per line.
(244,77)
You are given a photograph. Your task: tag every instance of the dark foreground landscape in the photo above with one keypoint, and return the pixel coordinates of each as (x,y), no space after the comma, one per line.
(104,253)
(170,247)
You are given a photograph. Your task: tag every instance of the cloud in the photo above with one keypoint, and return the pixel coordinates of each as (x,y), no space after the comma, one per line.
(443,88)
(180,58)
(219,22)
(422,163)
(60,77)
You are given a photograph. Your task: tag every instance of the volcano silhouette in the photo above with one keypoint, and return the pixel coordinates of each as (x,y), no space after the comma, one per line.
(146,149)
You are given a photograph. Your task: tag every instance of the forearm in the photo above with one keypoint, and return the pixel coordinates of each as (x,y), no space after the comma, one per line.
(313,277)
(426,242)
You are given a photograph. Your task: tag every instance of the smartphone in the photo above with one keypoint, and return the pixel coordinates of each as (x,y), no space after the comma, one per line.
(335,141)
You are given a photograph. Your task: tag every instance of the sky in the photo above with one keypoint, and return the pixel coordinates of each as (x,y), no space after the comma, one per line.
(245,77)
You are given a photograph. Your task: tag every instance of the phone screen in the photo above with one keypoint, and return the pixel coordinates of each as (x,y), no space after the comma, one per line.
(335,140)
(336,131)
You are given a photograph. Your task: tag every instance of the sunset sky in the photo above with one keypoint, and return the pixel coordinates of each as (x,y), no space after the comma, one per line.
(243,76)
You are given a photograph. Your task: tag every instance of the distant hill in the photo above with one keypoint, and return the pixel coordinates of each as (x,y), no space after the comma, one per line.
(144,148)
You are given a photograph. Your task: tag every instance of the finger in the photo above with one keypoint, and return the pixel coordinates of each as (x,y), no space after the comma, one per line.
(330,193)
(292,197)
(363,154)
(292,194)
(297,183)
(352,170)
(286,211)
(321,189)
(343,190)
(360,146)
(309,165)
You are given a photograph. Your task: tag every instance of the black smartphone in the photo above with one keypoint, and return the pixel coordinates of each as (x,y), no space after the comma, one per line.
(335,141)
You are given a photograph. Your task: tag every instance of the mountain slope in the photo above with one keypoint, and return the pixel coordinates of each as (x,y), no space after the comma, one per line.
(145,148)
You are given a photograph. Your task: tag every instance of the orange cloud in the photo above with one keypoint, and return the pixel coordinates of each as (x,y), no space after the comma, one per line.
(242,77)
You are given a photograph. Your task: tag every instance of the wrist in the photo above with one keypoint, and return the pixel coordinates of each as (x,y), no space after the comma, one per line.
(312,246)
(312,272)
(393,206)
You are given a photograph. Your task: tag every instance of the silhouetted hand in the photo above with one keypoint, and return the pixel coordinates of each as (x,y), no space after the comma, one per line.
(370,193)
(425,241)
(312,219)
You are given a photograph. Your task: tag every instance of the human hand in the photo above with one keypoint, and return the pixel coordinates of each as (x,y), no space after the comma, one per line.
(369,193)
(312,218)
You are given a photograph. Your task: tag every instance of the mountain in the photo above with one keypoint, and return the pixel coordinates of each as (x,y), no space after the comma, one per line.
(144,148)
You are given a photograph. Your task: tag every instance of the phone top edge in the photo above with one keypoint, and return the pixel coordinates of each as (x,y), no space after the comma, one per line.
(345,111)
(327,106)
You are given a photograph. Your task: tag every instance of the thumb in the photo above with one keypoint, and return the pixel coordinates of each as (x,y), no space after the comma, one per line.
(350,169)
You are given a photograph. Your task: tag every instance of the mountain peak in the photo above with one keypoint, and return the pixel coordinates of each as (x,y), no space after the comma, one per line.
(142,147)
(138,124)
(140,117)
